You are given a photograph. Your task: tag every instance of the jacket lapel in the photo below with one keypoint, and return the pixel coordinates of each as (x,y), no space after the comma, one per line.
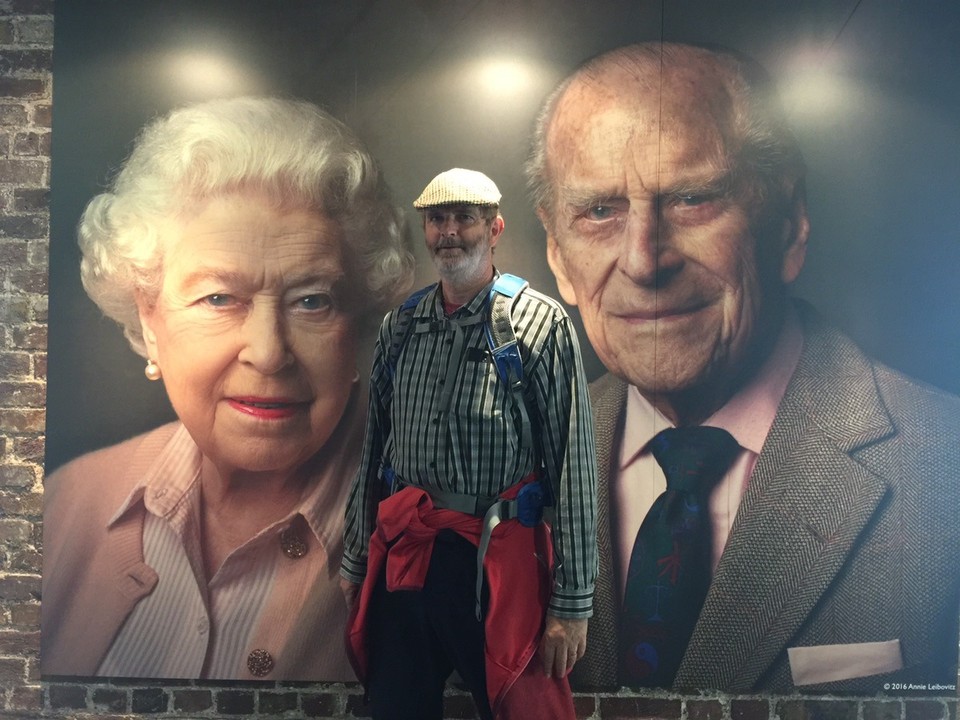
(809,498)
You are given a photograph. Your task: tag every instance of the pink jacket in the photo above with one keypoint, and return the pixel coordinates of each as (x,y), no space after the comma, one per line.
(94,575)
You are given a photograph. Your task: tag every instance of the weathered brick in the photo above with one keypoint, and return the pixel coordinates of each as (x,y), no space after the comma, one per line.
(6,32)
(13,530)
(26,61)
(749,710)
(584,706)
(636,708)
(45,145)
(817,710)
(24,227)
(355,707)
(13,364)
(11,87)
(12,670)
(20,476)
(29,337)
(37,30)
(40,365)
(27,615)
(924,710)
(148,700)
(12,114)
(39,308)
(27,698)
(881,710)
(277,703)
(19,588)
(64,697)
(33,7)
(15,309)
(235,702)
(26,144)
(326,705)
(22,394)
(28,449)
(13,252)
(30,199)
(26,560)
(30,279)
(192,701)
(23,171)
(704,710)
(43,115)
(22,421)
(110,699)
(21,505)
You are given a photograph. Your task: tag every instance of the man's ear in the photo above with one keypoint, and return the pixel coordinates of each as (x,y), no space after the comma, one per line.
(556,262)
(796,232)
(147,312)
(497,226)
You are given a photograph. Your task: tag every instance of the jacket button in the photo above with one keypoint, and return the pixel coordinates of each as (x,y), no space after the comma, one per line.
(259,663)
(292,544)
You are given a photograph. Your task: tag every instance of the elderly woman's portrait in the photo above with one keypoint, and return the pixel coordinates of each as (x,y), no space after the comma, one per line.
(231,217)
(241,248)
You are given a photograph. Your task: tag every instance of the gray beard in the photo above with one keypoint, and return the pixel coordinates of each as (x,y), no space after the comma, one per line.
(463,269)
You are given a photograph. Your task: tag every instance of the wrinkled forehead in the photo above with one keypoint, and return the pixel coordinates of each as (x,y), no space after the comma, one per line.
(689,104)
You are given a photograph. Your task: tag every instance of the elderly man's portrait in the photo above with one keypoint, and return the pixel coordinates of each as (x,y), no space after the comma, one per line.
(747,209)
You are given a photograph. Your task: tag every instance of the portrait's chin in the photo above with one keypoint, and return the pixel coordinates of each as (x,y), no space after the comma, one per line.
(262,455)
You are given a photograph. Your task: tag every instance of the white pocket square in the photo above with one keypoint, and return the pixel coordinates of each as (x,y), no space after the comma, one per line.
(816,664)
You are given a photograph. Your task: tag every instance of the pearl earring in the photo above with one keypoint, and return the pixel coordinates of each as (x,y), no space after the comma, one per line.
(152,371)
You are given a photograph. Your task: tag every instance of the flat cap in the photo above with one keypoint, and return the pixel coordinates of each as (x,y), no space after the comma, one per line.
(459,187)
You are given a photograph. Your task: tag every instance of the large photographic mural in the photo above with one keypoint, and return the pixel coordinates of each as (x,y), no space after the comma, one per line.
(838,570)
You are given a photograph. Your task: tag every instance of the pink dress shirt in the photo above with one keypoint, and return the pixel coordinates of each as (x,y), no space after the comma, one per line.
(747,416)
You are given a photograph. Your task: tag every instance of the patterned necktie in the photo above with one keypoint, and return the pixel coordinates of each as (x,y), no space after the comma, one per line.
(669,570)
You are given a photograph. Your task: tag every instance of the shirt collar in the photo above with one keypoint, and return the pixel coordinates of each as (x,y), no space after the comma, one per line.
(172,479)
(748,415)
(434,306)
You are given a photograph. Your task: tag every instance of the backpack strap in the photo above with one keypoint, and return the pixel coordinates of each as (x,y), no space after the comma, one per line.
(501,338)
(401,331)
(504,350)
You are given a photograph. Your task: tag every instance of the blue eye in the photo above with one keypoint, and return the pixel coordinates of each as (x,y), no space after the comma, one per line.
(219,300)
(317,301)
(600,212)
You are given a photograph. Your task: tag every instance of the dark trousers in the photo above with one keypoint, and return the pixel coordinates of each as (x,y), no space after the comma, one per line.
(417,638)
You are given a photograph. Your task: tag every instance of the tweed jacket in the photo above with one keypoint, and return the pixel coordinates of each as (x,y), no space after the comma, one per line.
(94,572)
(847,532)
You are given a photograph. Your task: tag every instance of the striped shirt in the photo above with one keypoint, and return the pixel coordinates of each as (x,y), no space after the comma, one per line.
(447,421)
(263,598)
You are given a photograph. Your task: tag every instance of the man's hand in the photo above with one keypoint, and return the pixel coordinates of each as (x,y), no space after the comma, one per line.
(350,590)
(564,642)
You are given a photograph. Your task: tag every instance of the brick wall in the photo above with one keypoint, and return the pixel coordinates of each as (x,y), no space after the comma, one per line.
(26,44)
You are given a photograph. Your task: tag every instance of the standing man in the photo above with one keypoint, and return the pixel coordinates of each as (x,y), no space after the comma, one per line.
(672,193)
(464,441)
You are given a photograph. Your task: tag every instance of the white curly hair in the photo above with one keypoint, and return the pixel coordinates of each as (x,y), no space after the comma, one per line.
(291,151)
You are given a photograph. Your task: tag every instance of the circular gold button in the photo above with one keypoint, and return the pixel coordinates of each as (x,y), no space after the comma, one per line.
(260,663)
(292,544)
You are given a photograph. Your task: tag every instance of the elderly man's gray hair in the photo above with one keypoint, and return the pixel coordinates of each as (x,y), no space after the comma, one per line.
(768,152)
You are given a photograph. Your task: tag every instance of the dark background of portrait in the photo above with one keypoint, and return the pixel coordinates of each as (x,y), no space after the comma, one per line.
(871,87)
